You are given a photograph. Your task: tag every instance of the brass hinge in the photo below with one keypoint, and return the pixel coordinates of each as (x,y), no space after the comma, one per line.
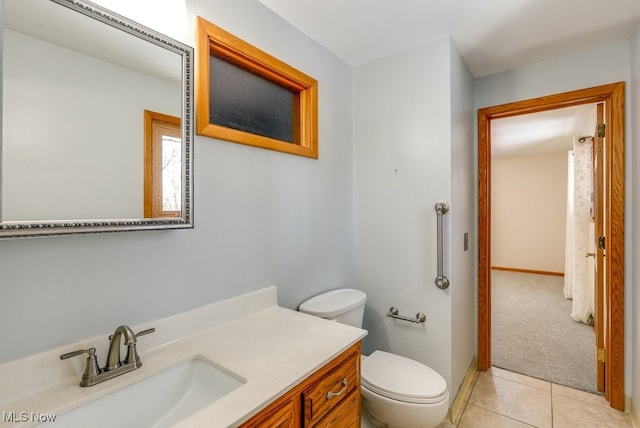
(601,355)
(601,242)
(601,130)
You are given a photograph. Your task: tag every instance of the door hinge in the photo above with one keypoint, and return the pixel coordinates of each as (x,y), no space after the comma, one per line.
(601,355)
(601,242)
(601,130)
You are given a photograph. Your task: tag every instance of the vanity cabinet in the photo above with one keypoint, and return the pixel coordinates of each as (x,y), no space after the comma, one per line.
(330,397)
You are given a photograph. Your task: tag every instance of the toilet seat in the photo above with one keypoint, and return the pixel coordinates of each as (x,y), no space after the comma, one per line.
(402,379)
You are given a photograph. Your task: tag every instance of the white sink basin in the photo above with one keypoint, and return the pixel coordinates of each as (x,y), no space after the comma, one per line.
(158,401)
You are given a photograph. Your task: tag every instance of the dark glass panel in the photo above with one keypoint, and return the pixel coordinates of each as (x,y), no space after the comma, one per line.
(244,101)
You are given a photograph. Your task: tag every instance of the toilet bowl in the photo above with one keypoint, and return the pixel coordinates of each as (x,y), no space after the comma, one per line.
(397,392)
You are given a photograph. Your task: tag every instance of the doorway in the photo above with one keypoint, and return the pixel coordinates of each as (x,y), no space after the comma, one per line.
(612,96)
(542,296)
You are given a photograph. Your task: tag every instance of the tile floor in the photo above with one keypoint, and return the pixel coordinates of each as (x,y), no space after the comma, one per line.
(503,399)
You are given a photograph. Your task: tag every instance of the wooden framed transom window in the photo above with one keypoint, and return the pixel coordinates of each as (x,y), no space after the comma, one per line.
(246,96)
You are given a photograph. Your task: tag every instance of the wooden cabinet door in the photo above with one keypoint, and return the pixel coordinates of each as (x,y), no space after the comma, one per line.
(278,415)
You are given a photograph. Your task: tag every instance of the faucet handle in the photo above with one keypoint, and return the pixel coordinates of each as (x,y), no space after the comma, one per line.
(91,370)
(90,352)
(143,332)
(132,353)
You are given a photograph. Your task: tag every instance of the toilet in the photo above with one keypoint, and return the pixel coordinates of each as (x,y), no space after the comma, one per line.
(397,392)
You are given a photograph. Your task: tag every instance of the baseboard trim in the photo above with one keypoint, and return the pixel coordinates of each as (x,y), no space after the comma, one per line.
(633,413)
(539,272)
(463,394)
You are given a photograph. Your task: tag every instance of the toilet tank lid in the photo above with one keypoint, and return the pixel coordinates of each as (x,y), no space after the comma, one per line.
(333,303)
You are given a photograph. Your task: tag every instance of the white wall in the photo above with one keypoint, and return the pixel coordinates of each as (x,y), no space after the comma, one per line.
(461,267)
(633,160)
(585,69)
(529,211)
(261,218)
(409,122)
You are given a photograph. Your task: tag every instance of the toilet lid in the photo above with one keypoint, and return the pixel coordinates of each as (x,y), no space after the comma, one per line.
(333,303)
(400,378)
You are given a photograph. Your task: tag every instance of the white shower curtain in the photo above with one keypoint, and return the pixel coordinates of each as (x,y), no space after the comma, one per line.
(569,247)
(578,281)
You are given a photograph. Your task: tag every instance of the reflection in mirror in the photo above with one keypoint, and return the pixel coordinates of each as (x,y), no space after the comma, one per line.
(78,85)
(162,165)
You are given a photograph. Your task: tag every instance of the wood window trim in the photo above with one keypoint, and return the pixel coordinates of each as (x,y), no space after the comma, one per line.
(213,39)
(152,167)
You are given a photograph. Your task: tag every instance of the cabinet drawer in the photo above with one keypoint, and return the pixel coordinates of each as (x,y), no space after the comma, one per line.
(344,415)
(332,387)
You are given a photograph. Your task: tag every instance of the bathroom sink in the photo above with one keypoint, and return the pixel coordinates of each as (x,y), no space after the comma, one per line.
(158,401)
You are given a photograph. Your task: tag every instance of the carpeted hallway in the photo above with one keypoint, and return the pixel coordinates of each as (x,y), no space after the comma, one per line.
(533,332)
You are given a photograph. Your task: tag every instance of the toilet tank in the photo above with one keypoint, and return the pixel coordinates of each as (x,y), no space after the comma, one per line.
(344,305)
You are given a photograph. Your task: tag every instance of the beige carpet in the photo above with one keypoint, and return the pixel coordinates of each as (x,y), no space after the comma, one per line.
(532,331)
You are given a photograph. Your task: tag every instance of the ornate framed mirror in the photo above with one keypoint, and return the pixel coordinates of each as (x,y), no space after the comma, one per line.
(78,154)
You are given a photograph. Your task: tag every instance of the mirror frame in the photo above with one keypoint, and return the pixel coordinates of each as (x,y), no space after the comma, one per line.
(26,229)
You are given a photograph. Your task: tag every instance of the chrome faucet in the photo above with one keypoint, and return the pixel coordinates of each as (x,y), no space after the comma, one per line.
(114,366)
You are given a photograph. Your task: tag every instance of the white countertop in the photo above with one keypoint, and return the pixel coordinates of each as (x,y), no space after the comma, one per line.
(273,348)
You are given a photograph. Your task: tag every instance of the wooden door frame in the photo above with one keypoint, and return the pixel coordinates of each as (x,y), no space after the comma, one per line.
(612,96)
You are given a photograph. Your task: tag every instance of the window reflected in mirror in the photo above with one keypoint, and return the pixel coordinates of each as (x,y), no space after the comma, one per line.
(162,165)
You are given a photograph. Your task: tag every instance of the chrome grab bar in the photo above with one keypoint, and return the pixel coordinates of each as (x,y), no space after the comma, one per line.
(441,281)
(393,313)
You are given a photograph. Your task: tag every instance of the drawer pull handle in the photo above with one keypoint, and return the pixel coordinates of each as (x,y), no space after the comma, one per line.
(332,394)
